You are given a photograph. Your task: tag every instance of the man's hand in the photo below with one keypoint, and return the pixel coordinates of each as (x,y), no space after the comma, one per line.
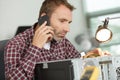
(96,52)
(42,35)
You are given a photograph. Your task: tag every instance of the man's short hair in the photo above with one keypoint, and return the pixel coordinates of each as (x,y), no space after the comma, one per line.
(49,6)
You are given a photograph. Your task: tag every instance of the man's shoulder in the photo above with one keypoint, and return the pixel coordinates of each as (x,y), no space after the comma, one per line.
(22,37)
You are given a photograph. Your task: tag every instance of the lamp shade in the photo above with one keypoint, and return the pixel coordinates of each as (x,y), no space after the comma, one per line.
(103,34)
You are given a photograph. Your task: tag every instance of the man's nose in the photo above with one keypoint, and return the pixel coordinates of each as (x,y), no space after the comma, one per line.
(67,28)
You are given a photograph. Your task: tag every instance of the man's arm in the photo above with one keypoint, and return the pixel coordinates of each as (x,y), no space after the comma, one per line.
(21,66)
(17,65)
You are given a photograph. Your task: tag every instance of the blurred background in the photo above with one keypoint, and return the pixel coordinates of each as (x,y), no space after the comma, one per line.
(87,16)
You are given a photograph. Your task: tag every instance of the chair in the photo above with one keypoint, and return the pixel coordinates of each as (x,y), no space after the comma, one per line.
(2,67)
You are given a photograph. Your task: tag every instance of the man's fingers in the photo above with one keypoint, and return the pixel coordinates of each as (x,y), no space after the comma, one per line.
(42,26)
(106,53)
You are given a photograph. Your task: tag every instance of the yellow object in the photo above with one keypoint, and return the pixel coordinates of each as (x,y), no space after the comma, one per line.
(90,73)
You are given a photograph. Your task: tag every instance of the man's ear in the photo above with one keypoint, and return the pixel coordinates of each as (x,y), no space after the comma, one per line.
(43,14)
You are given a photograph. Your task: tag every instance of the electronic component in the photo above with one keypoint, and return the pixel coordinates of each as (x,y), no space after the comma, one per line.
(90,73)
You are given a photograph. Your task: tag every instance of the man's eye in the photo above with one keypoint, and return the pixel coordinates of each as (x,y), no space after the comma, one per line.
(70,22)
(62,21)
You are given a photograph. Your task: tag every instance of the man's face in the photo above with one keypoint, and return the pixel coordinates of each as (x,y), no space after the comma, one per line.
(60,20)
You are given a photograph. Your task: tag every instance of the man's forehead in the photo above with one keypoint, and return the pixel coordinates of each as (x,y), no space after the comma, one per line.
(63,12)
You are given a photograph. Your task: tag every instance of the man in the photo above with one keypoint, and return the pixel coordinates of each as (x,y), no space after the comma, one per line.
(41,43)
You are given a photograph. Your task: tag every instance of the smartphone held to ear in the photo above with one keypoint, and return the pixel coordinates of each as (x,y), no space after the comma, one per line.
(44,18)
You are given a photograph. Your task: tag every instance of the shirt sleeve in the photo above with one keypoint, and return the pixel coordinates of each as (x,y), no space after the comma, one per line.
(17,66)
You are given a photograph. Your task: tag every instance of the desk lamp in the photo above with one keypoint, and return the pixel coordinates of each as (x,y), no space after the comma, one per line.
(103,33)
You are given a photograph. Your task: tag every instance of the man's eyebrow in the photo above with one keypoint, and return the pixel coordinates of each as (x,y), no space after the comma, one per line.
(66,20)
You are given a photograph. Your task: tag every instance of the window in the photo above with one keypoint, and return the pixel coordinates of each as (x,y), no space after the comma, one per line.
(97,13)
(97,5)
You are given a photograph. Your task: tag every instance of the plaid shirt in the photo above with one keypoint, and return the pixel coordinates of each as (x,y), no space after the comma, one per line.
(21,56)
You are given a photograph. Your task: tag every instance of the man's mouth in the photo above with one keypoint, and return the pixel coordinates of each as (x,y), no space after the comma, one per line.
(62,35)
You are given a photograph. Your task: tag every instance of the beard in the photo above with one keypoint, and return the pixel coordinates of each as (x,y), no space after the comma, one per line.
(59,35)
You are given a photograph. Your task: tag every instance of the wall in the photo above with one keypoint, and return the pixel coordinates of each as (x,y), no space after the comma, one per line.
(14,13)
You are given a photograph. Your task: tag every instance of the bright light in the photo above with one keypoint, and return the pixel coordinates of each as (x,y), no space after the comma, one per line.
(103,35)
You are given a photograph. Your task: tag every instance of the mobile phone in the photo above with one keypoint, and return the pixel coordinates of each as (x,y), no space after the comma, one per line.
(44,18)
